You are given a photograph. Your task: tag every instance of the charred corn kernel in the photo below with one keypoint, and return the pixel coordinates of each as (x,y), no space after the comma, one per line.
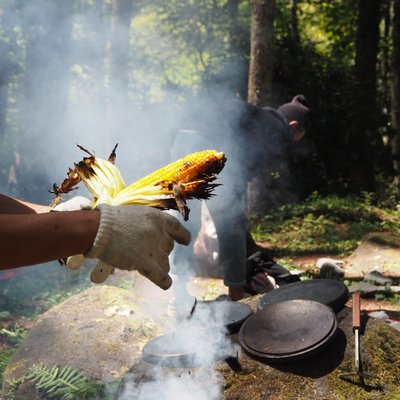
(187,169)
(196,170)
(188,177)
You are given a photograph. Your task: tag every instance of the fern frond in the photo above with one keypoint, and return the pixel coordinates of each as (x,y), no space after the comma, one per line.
(5,358)
(62,384)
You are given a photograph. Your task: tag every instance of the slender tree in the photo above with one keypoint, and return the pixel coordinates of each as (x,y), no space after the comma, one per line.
(6,71)
(48,33)
(261,52)
(365,141)
(239,46)
(119,51)
(294,22)
(233,10)
(395,69)
(260,83)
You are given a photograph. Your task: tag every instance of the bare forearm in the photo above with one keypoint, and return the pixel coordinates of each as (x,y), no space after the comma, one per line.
(10,205)
(37,238)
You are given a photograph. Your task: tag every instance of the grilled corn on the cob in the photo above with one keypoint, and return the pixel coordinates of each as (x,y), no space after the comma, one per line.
(166,188)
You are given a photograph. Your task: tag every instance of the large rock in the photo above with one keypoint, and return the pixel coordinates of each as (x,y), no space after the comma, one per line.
(379,252)
(99,332)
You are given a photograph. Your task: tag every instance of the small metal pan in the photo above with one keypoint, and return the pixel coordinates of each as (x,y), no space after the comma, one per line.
(198,342)
(172,351)
(288,331)
(191,349)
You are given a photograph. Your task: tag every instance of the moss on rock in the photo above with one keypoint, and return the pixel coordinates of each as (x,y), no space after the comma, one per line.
(99,332)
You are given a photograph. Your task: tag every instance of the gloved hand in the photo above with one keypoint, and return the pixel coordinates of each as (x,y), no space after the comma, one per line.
(136,238)
(102,270)
(74,204)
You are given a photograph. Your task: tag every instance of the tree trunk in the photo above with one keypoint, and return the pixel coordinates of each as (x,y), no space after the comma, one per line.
(367,47)
(48,62)
(261,52)
(239,49)
(232,9)
(5,76)
(5,149)
(119,60)
(294,22)
(384,67)
(396,91)
(365,141)
(48,32)
(260,84)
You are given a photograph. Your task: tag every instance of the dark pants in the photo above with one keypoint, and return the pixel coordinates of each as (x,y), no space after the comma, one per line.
(227,209)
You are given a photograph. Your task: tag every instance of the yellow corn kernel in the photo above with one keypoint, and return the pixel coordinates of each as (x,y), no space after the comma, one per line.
(167,187)
(187,169)
(193,173)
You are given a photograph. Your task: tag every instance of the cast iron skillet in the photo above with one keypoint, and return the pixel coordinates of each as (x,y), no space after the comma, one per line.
(330,292)
(288,331)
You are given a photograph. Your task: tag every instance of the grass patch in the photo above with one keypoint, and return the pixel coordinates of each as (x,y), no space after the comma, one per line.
(323,225)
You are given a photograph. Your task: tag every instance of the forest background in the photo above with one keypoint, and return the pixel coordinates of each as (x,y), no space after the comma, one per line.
(135,72)
(98,72)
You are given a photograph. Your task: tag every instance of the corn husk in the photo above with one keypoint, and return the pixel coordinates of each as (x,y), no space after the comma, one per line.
(169,187)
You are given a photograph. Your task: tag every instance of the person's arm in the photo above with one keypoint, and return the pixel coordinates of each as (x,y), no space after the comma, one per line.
(10,205)
(127,237)
(38,238)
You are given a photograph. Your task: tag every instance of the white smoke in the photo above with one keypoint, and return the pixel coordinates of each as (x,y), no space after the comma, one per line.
(197,385)
(193,351)
(146,129)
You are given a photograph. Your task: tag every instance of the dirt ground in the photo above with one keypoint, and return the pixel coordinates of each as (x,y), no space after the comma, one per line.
(209,288)
(202,288)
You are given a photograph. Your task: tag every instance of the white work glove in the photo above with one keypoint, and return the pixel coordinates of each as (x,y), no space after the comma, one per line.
(101,271)
(134,238)
(74,204)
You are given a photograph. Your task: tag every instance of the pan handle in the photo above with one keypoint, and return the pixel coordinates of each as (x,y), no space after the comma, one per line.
(356,310)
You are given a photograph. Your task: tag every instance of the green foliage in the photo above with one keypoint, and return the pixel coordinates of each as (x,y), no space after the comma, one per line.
(5,358)
(180,44)
(319,24)
(37,289)
(61,383)
(14,334)
(330,224)
(388,295)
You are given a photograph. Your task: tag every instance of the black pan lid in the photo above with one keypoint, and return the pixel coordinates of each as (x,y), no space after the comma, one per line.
(330,292)
(288,331)
(231,314)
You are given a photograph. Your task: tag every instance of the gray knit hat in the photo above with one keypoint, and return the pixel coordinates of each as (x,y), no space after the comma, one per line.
(297,110)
